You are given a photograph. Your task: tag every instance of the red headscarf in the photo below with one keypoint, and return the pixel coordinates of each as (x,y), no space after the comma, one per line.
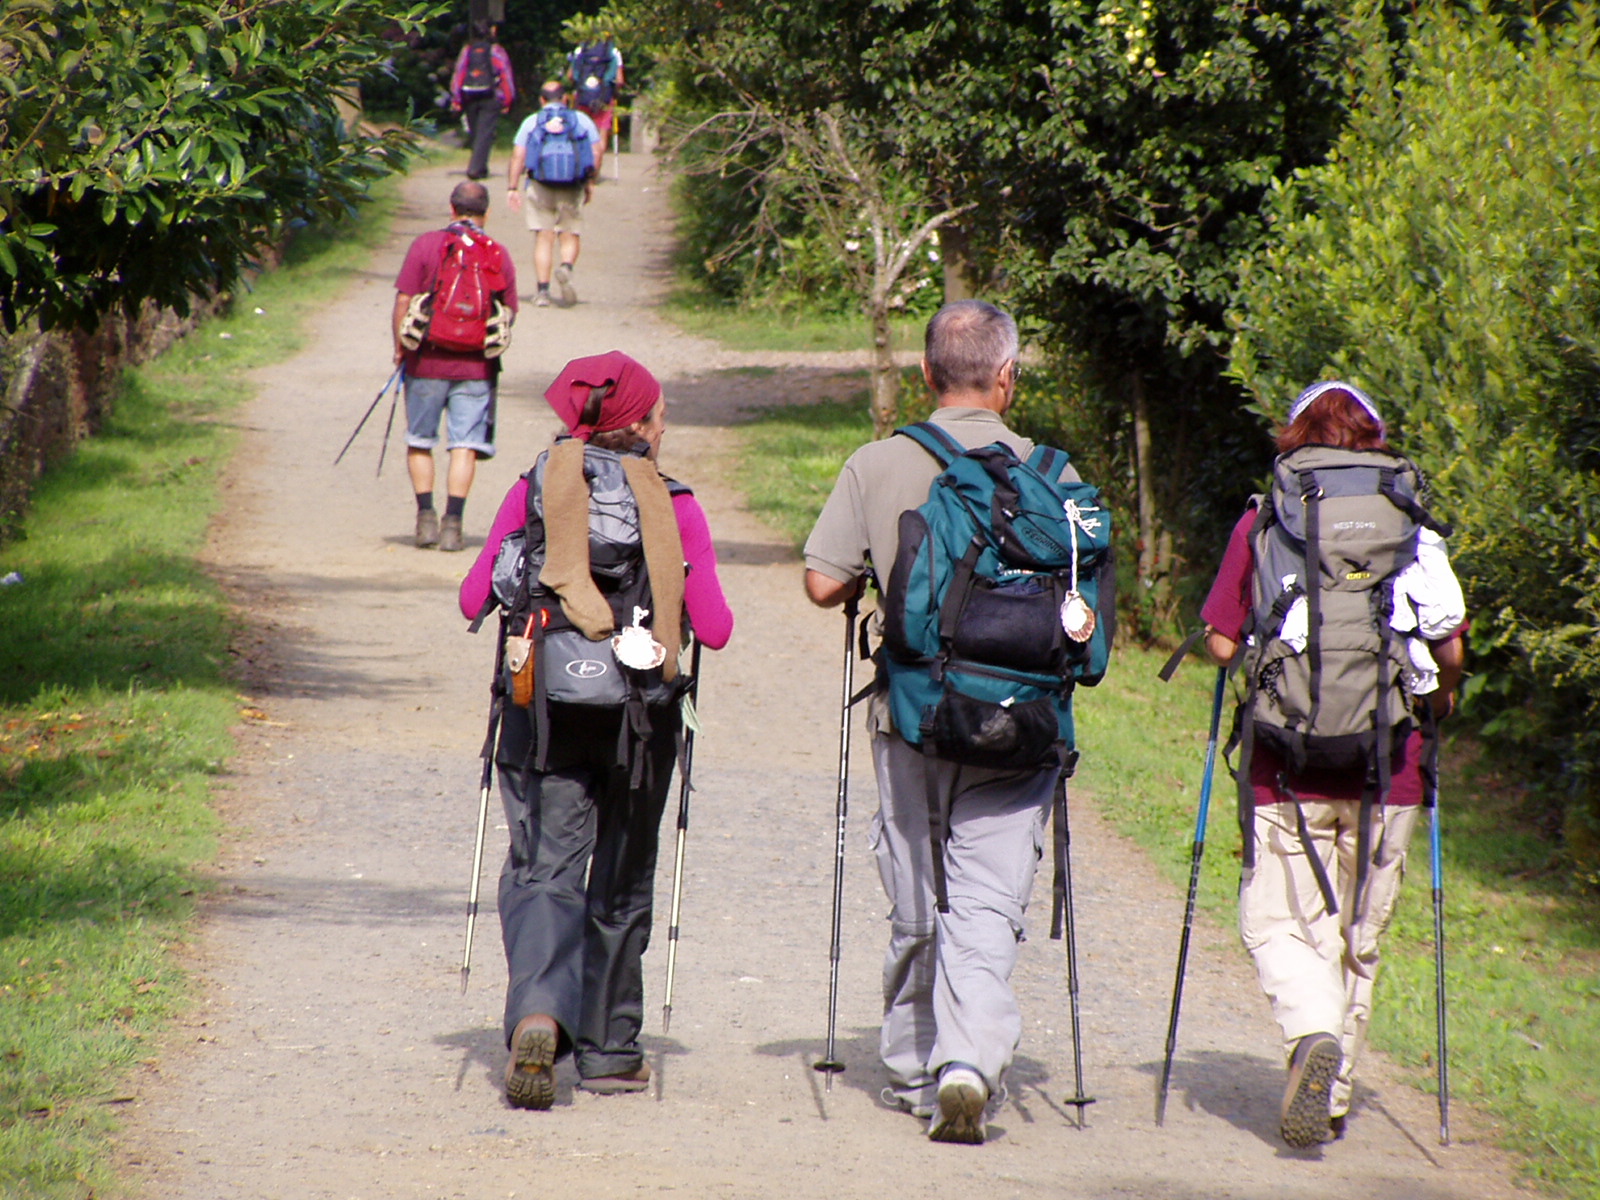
(632,393)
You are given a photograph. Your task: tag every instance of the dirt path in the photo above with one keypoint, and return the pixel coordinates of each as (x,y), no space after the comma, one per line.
(333,1054)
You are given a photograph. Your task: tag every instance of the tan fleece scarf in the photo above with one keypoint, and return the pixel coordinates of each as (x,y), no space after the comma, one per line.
(566,563)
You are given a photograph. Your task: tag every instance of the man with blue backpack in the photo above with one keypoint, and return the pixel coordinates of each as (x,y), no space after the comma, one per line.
(552,167)
(993,564)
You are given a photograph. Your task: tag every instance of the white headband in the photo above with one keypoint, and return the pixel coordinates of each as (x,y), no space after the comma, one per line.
(1316,389)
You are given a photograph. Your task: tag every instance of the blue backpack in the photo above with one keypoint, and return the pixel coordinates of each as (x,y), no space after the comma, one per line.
(558,148)
(1001,600)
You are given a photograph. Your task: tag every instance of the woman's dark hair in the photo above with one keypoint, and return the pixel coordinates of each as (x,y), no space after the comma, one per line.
(1334,418)
(619,440)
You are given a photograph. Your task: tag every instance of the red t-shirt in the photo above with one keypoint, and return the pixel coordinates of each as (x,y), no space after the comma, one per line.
(418,274)
(1225,610)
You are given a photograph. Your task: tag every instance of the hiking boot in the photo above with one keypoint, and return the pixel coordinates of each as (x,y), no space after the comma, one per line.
(450,533)
(1305,1101)
(564,291)
(427,529)
(541,298)
(1336,1128)
(958,1117)
(530,1071)
(636,1080)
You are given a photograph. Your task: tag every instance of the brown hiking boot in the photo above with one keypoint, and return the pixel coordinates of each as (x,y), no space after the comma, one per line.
(1315,1062)
(450,533)
(530,1071)
(636,1080)
(427,529)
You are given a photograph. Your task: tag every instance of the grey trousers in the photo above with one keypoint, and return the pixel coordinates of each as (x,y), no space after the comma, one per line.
(578,882)
(946,977)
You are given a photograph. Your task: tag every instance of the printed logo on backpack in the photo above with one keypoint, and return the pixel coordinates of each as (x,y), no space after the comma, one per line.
(1000,601)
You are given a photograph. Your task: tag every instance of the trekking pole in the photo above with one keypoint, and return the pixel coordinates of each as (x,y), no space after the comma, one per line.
(1064,845)
(361,423)
(684,788)
(830,1064)
(490,745)
(1437,857)
(394,403)
(1194,883)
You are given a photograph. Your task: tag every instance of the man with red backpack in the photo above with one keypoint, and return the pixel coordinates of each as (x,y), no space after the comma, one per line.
(456,296)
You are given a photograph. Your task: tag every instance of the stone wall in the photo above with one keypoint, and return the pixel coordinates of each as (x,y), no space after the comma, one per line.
(57,388)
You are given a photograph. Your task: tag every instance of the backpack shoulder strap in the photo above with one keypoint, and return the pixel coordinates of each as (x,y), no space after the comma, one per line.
(943,446)
(1049,461)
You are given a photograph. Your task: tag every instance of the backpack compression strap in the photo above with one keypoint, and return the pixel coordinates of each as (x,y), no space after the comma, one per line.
(1408,505)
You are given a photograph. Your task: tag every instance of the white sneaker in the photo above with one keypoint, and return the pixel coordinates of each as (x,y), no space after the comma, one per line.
(963,1095)
(907,1104)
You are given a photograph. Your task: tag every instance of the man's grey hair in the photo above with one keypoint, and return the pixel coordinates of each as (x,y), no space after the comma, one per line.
(967,343)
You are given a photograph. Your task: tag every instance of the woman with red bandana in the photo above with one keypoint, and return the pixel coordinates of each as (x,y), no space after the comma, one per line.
(576,889)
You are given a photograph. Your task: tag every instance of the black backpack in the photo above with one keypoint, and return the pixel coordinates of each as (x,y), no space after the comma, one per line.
(478,77)
(591,71)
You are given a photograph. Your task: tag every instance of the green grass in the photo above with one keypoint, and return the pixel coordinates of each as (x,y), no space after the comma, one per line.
(794,457)
(1522,941)
(755,329)
(115,712)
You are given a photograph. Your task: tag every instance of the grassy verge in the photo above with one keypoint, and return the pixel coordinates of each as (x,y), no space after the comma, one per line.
(115,711)
(1523,942)
(760,329)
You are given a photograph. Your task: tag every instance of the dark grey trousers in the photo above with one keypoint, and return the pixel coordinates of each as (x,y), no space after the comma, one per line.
(482,113)
(576,890)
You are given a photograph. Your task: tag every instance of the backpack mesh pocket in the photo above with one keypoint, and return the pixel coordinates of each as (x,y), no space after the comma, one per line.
(985,734)
(1016,624)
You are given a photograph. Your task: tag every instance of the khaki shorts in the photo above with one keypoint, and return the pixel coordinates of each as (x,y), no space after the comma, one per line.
(557,208)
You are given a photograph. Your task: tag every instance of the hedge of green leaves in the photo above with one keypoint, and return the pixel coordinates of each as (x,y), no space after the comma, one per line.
(1447,258)
(148,149)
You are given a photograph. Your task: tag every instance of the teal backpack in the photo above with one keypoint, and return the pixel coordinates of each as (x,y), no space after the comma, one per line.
(1001,600)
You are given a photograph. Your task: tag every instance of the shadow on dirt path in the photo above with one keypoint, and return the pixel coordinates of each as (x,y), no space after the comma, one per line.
(333,1055)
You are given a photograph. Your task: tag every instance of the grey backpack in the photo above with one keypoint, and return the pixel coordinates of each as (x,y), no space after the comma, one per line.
(1322,668)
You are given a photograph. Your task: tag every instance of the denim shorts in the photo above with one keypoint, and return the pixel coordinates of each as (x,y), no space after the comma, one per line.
(465,405)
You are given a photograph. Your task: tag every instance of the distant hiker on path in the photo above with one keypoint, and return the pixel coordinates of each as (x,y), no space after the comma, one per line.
(1333,770)
(552,167)
(482,87)
(594,71)
(456,296)
(951,1021)
(591,730)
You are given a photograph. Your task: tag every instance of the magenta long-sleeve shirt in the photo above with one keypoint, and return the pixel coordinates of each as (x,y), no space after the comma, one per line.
(709,613)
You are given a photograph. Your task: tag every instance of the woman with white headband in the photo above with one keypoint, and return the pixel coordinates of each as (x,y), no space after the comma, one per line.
(1326,846)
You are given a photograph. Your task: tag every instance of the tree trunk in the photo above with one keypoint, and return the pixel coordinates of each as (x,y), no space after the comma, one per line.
(885,376)
(1145,471)
(956,258)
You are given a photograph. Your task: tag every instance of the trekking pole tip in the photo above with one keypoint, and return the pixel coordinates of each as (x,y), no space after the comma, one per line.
(666,1017)
(465,971)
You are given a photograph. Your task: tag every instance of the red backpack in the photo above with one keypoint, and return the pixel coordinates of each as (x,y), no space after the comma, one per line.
(469,283)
